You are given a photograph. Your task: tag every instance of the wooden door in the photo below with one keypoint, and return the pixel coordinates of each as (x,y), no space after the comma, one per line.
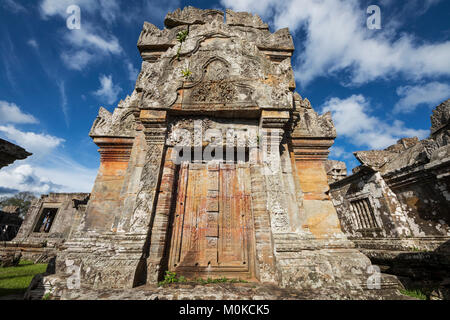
(212,232)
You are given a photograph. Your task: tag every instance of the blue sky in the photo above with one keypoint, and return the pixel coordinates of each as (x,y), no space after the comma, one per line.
(380,85)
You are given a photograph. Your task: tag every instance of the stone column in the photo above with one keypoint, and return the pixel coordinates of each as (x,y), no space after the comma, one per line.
(105,196)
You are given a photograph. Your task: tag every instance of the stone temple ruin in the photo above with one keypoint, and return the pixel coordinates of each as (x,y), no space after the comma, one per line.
(50,221)
(396,204)
(213,167)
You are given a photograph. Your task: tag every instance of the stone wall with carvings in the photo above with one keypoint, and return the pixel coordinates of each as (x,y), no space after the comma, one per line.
(395,207)
(49,223)
(407,182)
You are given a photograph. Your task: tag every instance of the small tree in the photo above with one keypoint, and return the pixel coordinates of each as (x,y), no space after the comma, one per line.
(22,200)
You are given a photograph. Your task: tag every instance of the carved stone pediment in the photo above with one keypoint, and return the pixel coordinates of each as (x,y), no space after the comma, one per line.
(153,38)
(237,74)
(245,19)
(307,123)
(120,123)
(190,15)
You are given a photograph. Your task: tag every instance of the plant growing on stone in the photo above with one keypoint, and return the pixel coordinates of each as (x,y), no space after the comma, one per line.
(417,293)
(219,280)
(47,296)
(186,73)
(171,277)
(181,37)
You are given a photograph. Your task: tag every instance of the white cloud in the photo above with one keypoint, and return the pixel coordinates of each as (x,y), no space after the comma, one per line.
(47,170)
(354,123)
(87,45)
(72,176)
(38,144)
(110,9)
(58,7)
(338,40)
(64,107)
(77,60)
(11,113)
(339,153)
(430,94)
(108,91)
(24,178)
(132,71)
(89,38)
(13,6)
(91,42)
(67,176)
(33,43)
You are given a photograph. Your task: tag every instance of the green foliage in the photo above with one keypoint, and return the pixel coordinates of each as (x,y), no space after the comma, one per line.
(219,280)
(21,200)
(171,277)
(47,296)
(15,280)
(182,35)
(417,293)
(186,73)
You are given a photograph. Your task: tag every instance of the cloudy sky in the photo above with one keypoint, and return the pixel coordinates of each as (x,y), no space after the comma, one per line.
(380,84)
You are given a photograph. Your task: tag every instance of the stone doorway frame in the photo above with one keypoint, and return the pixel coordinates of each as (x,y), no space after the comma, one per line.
(246,272)
(262,253)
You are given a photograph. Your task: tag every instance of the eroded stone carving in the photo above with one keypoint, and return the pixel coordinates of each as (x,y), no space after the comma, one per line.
(245,19)
(397,202)
(308,123)
(336,170)
(120,123)
(190,15)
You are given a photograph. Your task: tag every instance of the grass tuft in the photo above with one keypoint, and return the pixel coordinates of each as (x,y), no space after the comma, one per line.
(417,293)
(171,277)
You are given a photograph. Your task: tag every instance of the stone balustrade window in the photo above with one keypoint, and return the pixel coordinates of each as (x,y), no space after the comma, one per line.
(364,214)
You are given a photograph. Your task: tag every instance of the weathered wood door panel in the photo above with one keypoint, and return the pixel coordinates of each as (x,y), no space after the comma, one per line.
(212,232)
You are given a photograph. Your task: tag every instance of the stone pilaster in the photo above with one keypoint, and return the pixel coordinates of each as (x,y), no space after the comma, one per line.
(159,240)
(143,218)
(272,131)
(310,154)
(105,196)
